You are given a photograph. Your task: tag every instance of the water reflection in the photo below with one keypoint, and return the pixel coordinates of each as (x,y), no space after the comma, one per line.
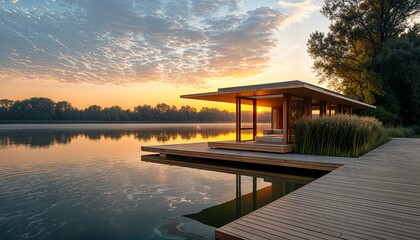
(281,181)
(99,188)
(39,136)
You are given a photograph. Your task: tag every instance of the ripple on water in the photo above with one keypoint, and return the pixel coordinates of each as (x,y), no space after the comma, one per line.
(58,198)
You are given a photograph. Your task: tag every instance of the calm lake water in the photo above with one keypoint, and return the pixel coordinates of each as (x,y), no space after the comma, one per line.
(82,181)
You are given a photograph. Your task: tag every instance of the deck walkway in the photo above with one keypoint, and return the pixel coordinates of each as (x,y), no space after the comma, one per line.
(376,196)
(201,150)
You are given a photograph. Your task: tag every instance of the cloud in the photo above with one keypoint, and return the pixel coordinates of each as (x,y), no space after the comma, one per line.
(123,41)
(299,11)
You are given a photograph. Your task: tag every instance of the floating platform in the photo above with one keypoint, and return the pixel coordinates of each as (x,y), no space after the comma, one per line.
(202,150)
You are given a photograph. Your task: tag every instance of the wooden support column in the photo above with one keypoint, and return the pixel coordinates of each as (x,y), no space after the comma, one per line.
(280,118)
(329,109)
(322,108)
(340,109)
(286,118)
(254,118)
(238,119)
(238,196)
(307,108)
(254,193)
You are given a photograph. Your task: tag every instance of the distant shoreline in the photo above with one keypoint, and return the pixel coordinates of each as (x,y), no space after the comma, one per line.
(5,122)
(96,122)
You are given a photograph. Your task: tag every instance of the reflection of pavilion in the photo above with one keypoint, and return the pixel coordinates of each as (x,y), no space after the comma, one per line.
(289,101)
(224,213)
(217,216)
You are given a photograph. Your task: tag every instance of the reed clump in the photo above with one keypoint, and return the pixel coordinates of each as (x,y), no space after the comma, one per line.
(400,132)
(341,135)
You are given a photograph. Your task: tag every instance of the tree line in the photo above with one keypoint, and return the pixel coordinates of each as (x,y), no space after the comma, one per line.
(372,53)
(45,109)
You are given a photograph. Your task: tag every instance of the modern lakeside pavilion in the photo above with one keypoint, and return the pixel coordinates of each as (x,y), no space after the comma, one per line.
(289,101)
(360,198)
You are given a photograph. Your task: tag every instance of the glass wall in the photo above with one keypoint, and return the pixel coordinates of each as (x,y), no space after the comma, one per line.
(315,108)
(246,120)
(296,113)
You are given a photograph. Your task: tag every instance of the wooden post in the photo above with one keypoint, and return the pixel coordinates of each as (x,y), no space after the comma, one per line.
(329,109)
(322,108)
(307,108)
(340,109)
(286,118)
(238,119)
(238,195)
(254,193)
(254,118)
(280,117)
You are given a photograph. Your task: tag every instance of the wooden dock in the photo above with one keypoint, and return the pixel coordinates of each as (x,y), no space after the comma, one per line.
(201,150)
(376,196)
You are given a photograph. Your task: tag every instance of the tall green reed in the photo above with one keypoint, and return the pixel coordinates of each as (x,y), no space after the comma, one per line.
(341,135)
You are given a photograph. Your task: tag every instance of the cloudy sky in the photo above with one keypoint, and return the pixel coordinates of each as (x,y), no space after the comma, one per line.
(131,52)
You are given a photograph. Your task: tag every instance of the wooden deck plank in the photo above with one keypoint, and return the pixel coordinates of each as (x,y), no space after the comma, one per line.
(286,227)
(235,233)
(330,223)
(374,197)
(394,189)
(327,226)
(258,227)
(359,210)
(377,196)
(250,233)
(346,214)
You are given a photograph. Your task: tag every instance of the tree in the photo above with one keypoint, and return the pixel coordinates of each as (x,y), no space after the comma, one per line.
(145,113)
(164,111)
(64,111)
(344,57)
(115,113)
(5,105)
(33,109)
(93,112)
(399,68)
(187,113)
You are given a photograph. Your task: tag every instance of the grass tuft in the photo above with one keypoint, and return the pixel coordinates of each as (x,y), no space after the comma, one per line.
(341,135)
(400,131)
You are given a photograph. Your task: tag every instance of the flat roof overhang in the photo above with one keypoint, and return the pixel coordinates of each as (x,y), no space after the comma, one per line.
(269,95)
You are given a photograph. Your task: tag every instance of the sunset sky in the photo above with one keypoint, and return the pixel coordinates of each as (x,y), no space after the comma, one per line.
(135,52)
